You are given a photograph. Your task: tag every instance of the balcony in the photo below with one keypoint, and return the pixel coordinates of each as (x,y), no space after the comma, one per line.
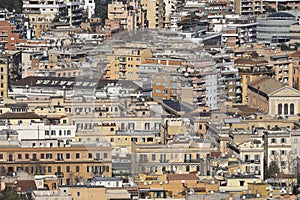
(198,160)
(122,60)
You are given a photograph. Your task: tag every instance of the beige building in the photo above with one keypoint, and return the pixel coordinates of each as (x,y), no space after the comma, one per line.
(283,68)
(129,14)
(273,97)
(125,62)
(295,57)
(251,153)
(249,7)
(155,13)
(96,192)
(71,164)
(179,157)
(3,78)
(249,70)
(279,151)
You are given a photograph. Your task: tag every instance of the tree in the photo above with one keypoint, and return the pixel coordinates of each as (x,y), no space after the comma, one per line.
(12,5)
(272,170)
(9,194)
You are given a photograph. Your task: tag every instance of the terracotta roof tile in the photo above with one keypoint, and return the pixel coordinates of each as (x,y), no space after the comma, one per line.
(22,115)
(174,177)
(266,85)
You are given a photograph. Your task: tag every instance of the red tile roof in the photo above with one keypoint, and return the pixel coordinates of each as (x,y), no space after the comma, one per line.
(174,177)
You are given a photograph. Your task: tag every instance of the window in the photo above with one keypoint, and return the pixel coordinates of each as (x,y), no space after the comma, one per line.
(90,155)
(67,156)
(49,169)
(273,141)
(131,126)
(257,157)
(295,140)
(157,126)
(105,155)
(19,156)
(97,156)
(153,157)
(78,194)
(67,168)
(283,163)
(280,109)
(26,156)
(247,157)
(242,183)
(286,109)
(89,169)
(77,168)
(147,126)
(77,155)
(283,152)
(273,152)
(187,168)
(1,156)
(46,132)
(283,140)
(163,158)
(53,132)
(292,107)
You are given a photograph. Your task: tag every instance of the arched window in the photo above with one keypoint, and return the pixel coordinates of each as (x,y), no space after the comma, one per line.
(286,109)
(292,109)
(279,109)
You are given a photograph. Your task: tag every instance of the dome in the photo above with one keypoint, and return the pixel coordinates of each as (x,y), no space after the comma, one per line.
(281,15)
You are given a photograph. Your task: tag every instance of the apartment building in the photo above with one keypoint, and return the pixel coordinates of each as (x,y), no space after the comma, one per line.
(249,7)
(74,12)
(41,14)
(129,14)
(232,81)
(174,186)
(160,76)
(283,67)
(155,13)
(125,63)
(295,60)
(9,38)
(282,5)
(179,157)
(275,28)
(249,70)
(251,152)
(70,164)
(239,31)
(4,78)
(279,151)
(51,13)
(89,6)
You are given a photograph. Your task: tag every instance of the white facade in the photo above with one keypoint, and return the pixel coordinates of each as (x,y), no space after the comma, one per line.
(89,6)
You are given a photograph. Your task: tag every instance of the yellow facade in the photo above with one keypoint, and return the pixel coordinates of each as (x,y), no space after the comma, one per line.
(125,62)
(3,79)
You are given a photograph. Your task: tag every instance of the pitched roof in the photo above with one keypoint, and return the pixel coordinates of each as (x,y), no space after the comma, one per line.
(174,177)
(295,54)
(247,61)
(21,115)
(266,85)
(22,186)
